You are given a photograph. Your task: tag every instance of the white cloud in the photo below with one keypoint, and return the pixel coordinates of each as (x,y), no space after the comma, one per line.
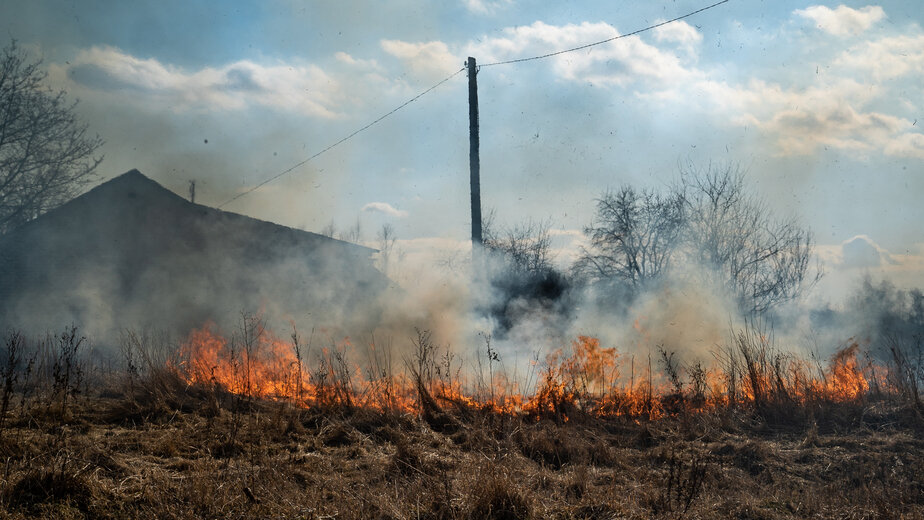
(857,103)
(428,60)
(802,130)
(306,89)
(351,60)
(906,145)
(570,234)
(842,21)
(384,208)
(860,256)
(861,252)
(681,33)
(832,113)
(886,58)
(620,62)
(485,6)
(566,244)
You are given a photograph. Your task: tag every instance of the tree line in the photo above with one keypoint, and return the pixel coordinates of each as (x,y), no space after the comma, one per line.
(707,226)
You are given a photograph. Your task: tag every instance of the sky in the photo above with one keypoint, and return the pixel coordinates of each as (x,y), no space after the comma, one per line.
(822,104)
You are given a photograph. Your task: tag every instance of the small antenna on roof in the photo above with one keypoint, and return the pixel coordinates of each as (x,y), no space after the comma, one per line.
(192,191)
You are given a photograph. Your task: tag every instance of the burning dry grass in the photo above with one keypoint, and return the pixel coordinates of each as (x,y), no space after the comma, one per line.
(762,436)
(751,375)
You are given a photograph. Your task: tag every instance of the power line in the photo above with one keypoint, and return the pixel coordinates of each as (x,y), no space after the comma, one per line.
(447,78)
(293,167)
(650,27)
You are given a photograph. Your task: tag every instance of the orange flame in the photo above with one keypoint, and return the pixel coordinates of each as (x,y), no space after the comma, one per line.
(588,380)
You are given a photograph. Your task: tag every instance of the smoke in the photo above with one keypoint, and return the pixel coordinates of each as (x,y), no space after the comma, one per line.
(131,255)
(529,315)
(682,312)
(679,313)
(876,315)
(433,291)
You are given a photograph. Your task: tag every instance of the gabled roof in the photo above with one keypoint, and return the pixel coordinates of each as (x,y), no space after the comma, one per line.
(129,244)
(134,199)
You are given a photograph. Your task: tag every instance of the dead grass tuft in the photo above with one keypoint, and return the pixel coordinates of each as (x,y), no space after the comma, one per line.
(495,497)
(43,486)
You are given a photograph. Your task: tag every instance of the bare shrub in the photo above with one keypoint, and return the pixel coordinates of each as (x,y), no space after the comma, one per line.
(497,497)
(634,236)
(332,381)
(906,367)
(67,369)
(423,369)
(708,221)
(681,485)
(761,260)
(524,248)
(9,371)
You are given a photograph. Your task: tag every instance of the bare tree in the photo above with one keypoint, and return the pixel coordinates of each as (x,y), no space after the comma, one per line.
(525,248)
(46,154)
(759,259)
(524,279)
(329,230)
(634,237)
(354,234)
(386,244)
(710,220)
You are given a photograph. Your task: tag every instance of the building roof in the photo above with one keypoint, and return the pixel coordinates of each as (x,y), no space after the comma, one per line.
(131,251)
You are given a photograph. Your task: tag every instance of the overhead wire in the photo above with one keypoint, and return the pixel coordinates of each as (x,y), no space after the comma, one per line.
(341,141)
(447,78)
(588,45)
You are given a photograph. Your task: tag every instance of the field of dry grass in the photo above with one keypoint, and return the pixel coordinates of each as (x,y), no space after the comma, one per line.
(148,444)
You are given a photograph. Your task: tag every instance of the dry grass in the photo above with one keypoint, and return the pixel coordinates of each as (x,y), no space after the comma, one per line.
(276,461)
(148,445)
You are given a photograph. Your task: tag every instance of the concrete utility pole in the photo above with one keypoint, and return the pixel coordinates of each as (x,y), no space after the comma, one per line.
(473,159)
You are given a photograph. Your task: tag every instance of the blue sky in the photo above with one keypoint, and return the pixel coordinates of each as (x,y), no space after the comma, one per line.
(820,102)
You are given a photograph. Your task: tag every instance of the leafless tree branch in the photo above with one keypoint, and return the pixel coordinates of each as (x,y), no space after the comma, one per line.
(46,152)
(709,219)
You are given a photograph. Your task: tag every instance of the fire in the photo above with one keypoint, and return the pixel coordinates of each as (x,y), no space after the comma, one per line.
(264,367)
(847,381)
(589,379)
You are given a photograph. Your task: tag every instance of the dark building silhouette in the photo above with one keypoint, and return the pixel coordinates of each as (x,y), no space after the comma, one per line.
(130,253)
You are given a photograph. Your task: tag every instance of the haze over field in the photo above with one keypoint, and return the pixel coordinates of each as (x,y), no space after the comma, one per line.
(819,103)
(700,292)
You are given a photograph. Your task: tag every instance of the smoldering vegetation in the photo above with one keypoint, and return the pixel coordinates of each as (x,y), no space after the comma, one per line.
(679,268)
(683,269)
(284,428)
(884,321)
(659,376)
